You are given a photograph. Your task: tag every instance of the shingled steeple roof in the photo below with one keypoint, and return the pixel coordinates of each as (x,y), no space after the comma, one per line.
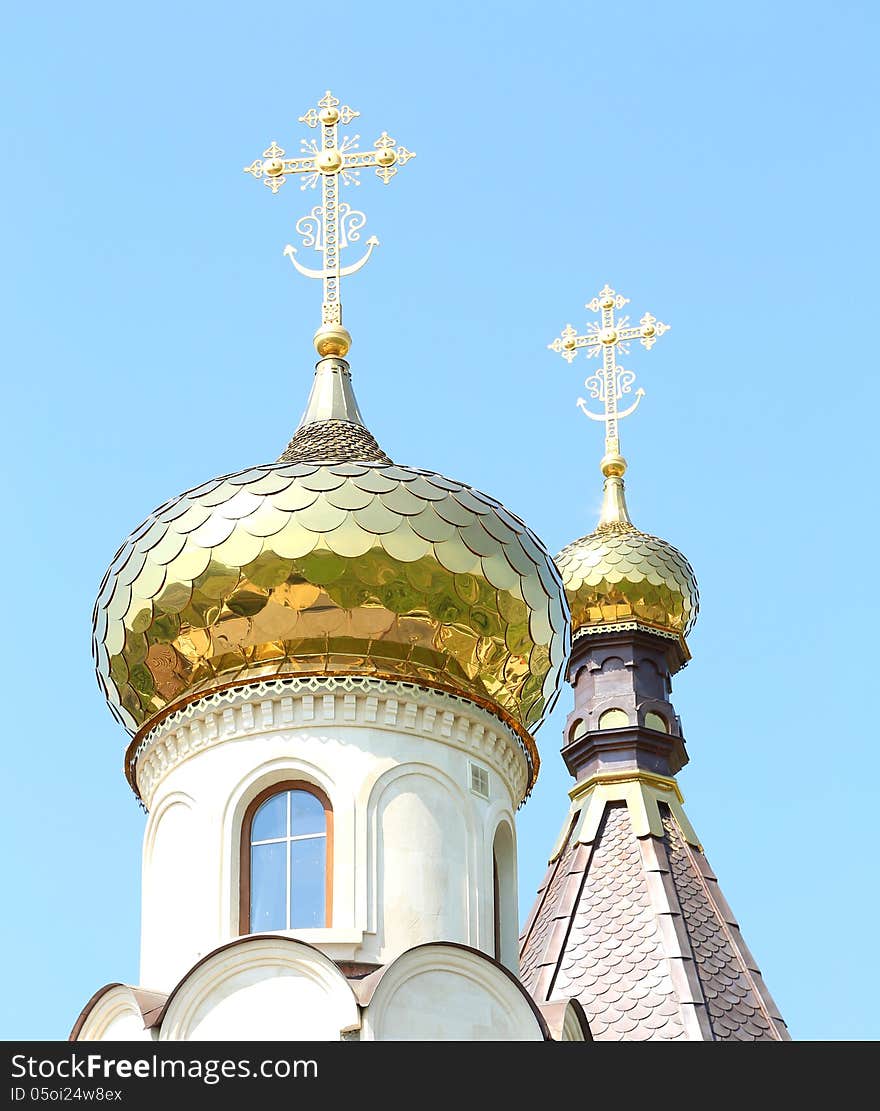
(637,930)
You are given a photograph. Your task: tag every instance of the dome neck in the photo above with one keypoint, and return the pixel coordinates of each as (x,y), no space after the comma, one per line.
(614,512)
(332,396)
(332,426)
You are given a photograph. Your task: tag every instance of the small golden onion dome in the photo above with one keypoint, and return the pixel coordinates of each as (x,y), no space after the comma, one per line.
(620,575)
(329,563)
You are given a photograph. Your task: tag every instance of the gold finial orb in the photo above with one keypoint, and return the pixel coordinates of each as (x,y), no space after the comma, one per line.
(608,303)
(613,465)
(273,167)
(329,161)
(328,116)
(648,330)
(386,157)
(608,336)
(332,339)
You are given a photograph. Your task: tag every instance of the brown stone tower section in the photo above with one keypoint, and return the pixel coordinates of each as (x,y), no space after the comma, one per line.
(630,919)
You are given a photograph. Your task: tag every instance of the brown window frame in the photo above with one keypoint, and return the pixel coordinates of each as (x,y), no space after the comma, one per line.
(244,881)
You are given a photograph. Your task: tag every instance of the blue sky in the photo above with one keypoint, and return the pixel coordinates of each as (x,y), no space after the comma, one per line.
(716,163)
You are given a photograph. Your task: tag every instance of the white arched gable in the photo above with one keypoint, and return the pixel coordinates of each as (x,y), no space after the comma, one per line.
(442,992)
(114,1015)
(566,1020)
(261,988)
(574,1025)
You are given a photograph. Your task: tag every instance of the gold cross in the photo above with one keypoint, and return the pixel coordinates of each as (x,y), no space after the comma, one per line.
(612,382)
(332,225)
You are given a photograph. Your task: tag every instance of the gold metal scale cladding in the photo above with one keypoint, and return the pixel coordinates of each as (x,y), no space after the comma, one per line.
(619,574)
(332,568)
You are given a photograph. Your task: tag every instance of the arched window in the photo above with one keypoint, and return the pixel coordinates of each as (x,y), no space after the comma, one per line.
(613,719)
(286,860)
(578,730)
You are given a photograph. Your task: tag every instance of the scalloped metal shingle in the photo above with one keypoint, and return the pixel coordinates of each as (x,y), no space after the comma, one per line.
(638,931)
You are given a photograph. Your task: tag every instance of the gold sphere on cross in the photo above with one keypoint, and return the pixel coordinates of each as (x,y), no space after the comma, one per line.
(386,157)
(608,336)
(274,167)
(569,343)
(648,330)
(613,464)
(608,303)
(329,161)
(328,116)
(332,340)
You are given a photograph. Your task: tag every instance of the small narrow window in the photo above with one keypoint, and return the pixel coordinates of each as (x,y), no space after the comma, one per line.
(286,860)
(479,781)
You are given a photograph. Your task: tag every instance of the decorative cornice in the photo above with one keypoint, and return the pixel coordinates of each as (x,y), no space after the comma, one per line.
(642,791)
(631,627)
(638,743)
(298,703)
(660,782)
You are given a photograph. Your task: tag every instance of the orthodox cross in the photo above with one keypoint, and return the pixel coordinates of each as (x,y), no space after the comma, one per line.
(610,384)
(333,161)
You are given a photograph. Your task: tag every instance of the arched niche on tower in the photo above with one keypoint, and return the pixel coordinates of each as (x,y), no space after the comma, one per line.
(175,850)
(422,857)
(506,940)
(653,683)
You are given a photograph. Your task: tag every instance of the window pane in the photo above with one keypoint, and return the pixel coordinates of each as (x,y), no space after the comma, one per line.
(307,866)
(268,887)
(306,814)
(271,819)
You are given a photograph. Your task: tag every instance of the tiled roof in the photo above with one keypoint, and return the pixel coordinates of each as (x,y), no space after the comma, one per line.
(736,1010)
(332,440)
(637,930)
(534,960)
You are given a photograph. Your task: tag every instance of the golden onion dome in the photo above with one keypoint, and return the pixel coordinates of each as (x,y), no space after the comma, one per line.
(620,575)
(332,561)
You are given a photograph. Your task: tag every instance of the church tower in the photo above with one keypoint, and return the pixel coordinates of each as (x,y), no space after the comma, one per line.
(331,668)
(630,919)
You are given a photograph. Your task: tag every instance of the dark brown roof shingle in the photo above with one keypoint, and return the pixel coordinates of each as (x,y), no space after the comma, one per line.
(637,930)
(337,440)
